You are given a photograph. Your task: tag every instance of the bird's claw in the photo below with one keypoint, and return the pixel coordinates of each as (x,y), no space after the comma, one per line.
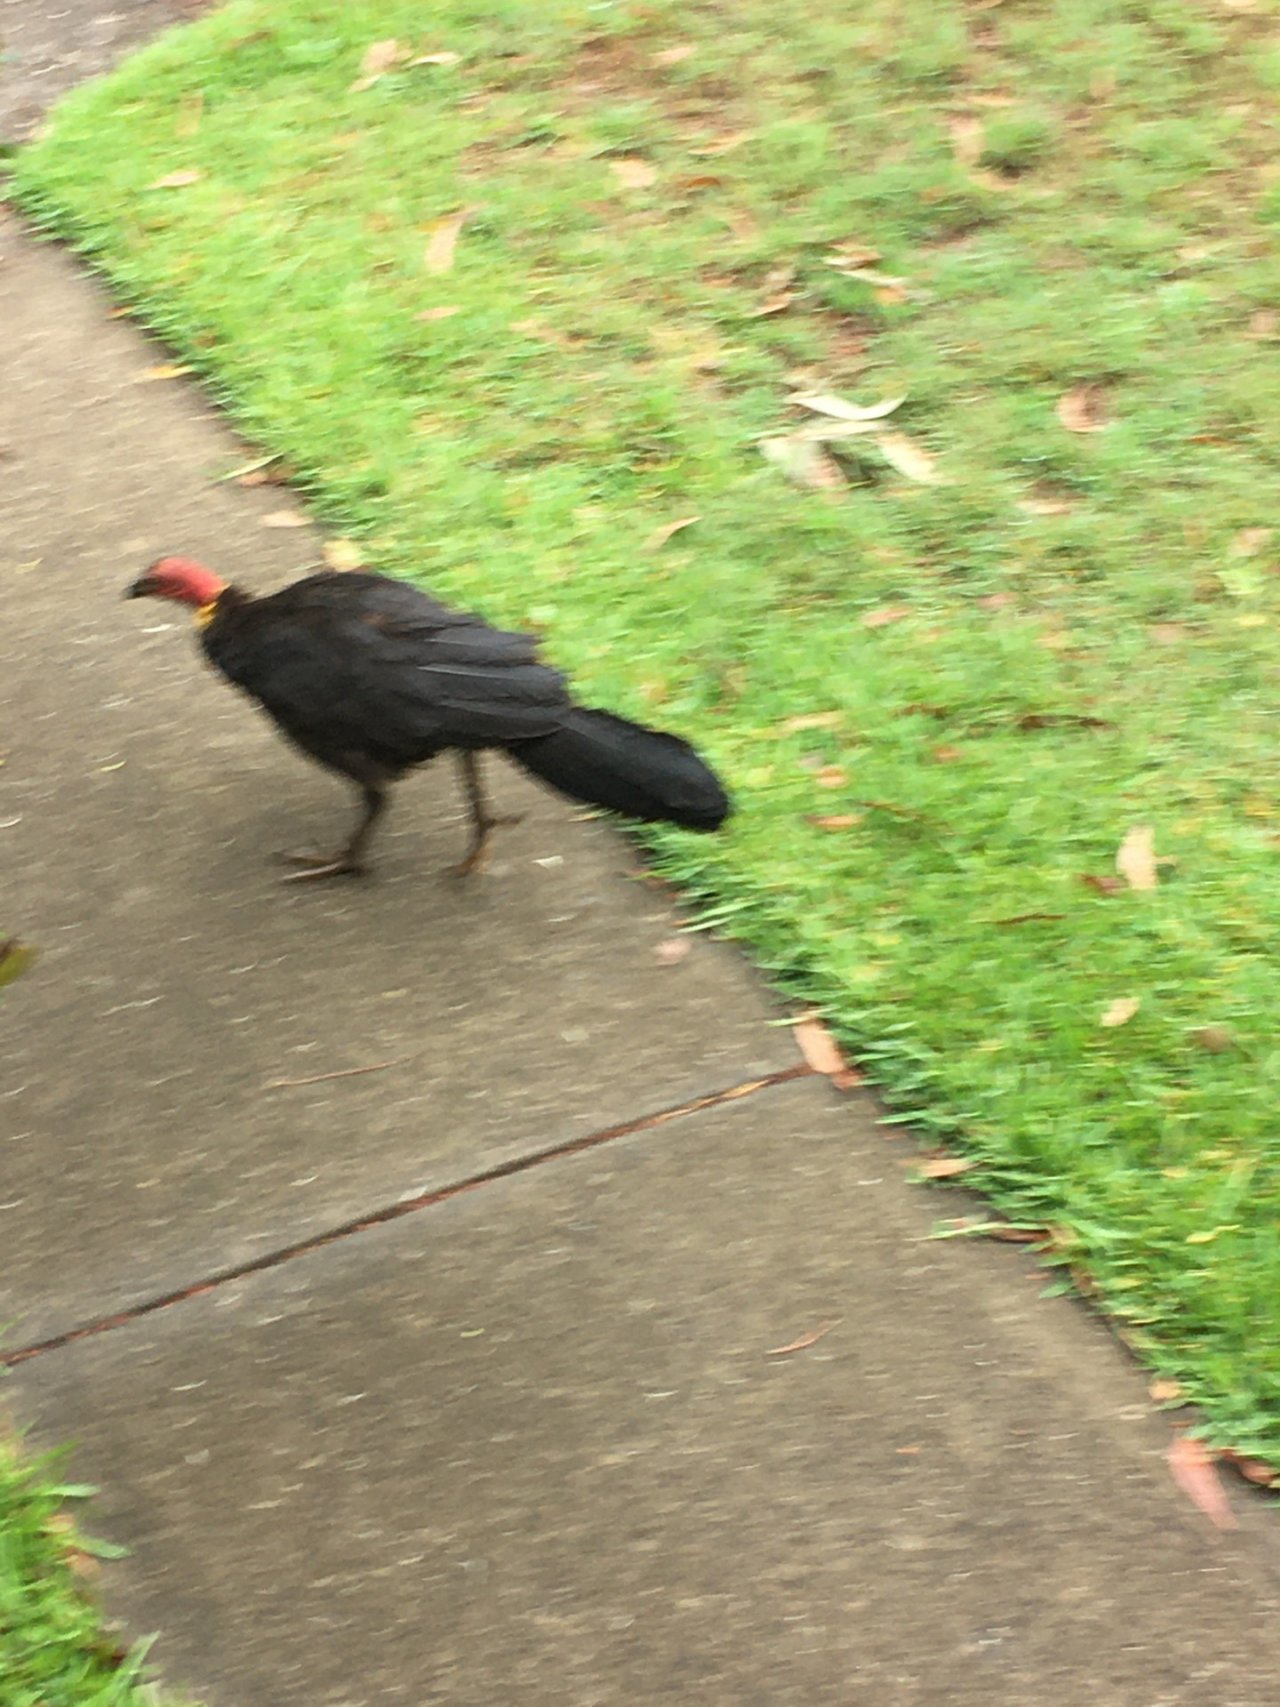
(478,853)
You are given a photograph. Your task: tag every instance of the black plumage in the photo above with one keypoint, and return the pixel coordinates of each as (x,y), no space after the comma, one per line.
(371,677)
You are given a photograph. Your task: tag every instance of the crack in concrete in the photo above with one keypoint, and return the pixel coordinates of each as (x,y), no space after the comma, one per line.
(402,1206)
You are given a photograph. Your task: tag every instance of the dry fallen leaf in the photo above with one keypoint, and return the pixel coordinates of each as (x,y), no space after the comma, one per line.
(804,1341)
(378,59)
(436,59)
(830,776)
(966,139)
(190,112)
(723,144)
(1194,1470)
(342,554)
(819,1048)
(672,951)
(1264,323)
(633,173)
(178,180)
(1083,409)
(853,254)
(1217,1039)
(1249,541)
(842,410)
(1255,1470)
(884,616)
(446,311)
(444,240)
(673,55)
(1136,858)
(804,462)
(908,458)
(1104,885)
(1121,1011)
(1046,506)
(837,821)
(813,720)
(661,535)
(943,1167)
(284,519)
(1164,1391)
(162,370)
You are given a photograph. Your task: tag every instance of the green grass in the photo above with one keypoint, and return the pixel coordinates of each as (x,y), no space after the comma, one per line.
(54,1651)
(1111,223)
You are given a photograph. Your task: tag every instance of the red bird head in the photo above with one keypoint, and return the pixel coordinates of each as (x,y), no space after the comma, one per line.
(180,578)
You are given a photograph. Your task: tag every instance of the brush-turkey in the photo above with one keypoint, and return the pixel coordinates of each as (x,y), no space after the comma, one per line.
(371,677)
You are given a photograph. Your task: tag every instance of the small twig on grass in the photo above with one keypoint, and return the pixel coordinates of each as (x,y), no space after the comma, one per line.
(341,1073)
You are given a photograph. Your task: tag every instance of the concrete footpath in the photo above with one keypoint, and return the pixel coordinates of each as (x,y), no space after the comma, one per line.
(462,1377)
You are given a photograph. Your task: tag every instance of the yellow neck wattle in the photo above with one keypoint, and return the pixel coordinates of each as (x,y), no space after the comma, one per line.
(205,613)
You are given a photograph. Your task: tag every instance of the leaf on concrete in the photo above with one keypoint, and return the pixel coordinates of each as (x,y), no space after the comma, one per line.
(1194,1469)
(1217,1039)
(1165,1391)
(285,519)
(819,1048)
(443,241)
(162,370)
(15,959)
(1121,1011)
(1083,409)
(672,951)
(1136,858)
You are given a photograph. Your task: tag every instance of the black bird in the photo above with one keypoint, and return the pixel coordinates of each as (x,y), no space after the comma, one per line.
(370,677)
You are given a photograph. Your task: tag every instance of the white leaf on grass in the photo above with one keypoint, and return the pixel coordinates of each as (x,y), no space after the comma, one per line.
(843,410)
(908,458)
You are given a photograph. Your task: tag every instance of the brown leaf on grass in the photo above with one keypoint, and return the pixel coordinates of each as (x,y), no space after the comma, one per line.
(773,305)
(342,554)
(446,311)
(1121,1011)
(444,58)
(967,139)
(633,173)
(943,1167)
(1136,858)
(1083,409)
(908,458)
(378,59)
(1167,633)
(1255,1470)
(284,519)
(1264,324)
(1164,1391)
(1045,506)
(1194,1469)
(804,462)
(443,241)
(673,55)
(672,951)
(1105,885)
(853,254)
(190,113)
(812,720)
(837,821)
(1250,541)
(668,530)
(1217,1039)
(884,616)
(830,776)
(178,180)
(948,755)
(723,144)
(819,1048)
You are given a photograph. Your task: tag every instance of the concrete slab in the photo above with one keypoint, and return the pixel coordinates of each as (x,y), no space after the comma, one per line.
(140,799)
(529,1445)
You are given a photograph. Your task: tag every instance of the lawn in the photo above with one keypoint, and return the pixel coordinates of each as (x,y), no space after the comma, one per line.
(951,661)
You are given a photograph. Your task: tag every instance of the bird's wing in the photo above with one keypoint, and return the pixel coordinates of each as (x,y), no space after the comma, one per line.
(362,663)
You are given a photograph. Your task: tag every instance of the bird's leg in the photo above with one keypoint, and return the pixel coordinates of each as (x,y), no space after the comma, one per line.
(483,822)
(348,859)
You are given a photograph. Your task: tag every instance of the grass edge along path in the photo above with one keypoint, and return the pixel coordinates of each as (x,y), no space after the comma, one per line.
(517,291)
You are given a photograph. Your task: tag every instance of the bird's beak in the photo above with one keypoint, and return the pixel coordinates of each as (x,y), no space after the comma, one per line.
(141,588)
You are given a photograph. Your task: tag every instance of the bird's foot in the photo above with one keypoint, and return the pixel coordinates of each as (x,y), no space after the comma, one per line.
(312,866)
(478,853)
